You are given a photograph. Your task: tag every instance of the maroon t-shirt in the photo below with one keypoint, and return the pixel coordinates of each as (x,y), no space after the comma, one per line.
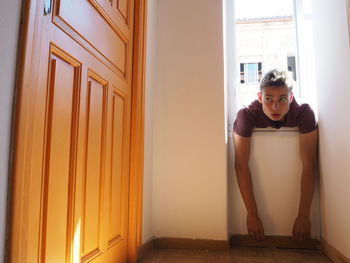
(301,116)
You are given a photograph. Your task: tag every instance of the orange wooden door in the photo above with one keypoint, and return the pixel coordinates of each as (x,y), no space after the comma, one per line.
(73,146)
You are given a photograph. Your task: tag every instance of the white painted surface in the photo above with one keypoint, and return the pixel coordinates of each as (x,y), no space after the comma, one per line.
(151,77)
(231,83)
(187,159)
(332,55)
(230,61)
(275,169)
(9,28)
(306,58)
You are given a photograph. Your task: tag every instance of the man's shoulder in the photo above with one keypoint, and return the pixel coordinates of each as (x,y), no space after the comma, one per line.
(253,108)
(246,119)
(305,118)
(301,108)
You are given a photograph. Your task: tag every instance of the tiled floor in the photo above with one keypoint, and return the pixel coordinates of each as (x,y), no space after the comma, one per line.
(236,255)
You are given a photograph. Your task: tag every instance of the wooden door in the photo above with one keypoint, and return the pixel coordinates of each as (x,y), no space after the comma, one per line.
(71,171)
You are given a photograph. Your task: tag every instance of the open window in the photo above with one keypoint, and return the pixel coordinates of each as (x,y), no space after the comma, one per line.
(265,39)
(273,34)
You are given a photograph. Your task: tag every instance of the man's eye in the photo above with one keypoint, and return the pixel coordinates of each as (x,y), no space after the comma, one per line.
(283,99)
(268,99)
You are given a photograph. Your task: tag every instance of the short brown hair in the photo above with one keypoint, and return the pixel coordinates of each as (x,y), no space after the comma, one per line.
(276,78)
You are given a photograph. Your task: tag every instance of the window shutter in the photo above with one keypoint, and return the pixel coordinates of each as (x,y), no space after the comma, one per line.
(242,72)
(259,71)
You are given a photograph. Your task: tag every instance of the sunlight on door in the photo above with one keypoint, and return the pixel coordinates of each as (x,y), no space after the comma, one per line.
(76,242)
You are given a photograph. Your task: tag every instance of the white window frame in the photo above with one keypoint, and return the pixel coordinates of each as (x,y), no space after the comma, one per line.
(245,77)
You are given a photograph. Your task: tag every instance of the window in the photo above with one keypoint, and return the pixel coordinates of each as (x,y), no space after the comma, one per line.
(264,40)
(250,72)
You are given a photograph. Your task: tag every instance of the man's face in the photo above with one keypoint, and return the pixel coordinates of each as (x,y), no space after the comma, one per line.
(275,102)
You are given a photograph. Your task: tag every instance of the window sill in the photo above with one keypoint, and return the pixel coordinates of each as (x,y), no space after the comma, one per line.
(269,129)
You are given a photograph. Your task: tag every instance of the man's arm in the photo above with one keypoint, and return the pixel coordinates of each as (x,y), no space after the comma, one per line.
(308,156)
(242,155)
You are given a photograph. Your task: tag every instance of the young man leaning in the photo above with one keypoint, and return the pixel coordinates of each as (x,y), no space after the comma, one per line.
(276,107)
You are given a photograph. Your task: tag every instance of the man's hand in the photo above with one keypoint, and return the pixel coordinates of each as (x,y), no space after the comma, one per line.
(308,156)
(255,227)
(242,156)
(301,229)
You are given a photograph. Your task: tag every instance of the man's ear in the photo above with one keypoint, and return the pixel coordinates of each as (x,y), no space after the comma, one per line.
(260,96)
(291,95)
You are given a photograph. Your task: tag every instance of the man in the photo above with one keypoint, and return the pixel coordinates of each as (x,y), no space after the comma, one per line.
(276,107)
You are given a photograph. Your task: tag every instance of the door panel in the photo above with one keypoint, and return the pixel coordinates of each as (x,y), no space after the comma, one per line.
(123,8)
(106,34)
(117,10)
(60,145)
(93,184)
(116,181)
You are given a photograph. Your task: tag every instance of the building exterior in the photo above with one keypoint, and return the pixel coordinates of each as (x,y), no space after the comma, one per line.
(262,44)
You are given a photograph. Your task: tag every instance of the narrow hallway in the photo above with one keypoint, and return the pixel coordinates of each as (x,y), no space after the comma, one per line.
(236,255)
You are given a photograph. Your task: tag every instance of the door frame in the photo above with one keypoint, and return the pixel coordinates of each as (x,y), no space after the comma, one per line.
(16,246)
(137,130)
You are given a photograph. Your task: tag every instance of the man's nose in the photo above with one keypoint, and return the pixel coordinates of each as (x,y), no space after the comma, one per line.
(275,105)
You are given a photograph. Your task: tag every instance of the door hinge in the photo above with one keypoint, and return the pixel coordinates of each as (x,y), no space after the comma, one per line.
(47,7)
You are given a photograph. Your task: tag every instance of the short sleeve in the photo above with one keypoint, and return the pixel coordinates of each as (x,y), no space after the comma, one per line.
(306,119)
(243,124)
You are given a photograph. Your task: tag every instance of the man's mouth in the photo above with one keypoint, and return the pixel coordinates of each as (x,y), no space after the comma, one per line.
(276,115)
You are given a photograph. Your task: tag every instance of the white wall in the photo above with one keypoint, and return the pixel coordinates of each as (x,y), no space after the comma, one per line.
(276,169)
(305,58)
(151,77)
(332,55)
(186,150)
(9,28)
